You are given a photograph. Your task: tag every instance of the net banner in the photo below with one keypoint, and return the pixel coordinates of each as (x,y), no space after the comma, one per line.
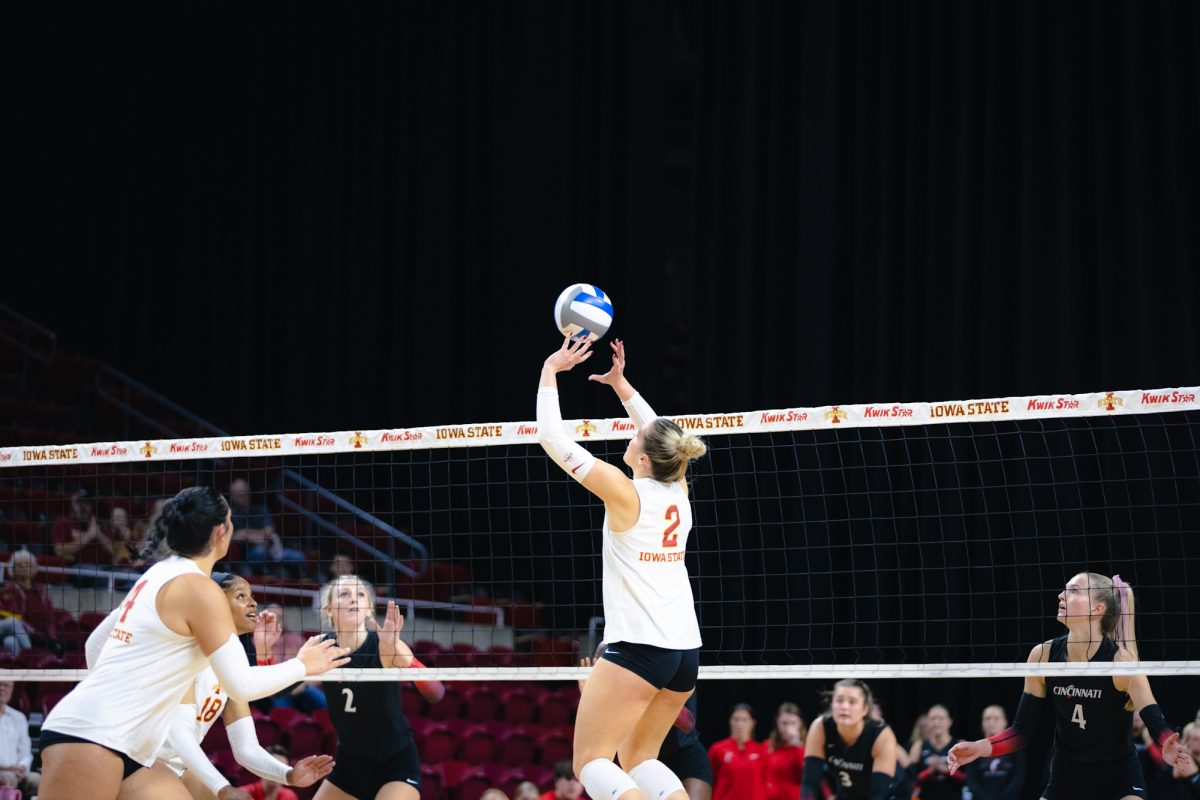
(869,415)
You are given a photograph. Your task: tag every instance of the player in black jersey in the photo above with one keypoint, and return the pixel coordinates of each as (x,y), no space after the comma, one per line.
(858,753)
(1093,756)
(376,757)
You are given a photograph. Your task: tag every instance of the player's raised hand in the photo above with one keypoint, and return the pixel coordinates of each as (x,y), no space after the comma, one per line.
(393,623)
(267,630)
(616,372)
(321,655)
(1172,750)
(568,355)
(308,771)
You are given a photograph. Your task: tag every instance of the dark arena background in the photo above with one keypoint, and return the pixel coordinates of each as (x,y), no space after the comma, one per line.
(813,219)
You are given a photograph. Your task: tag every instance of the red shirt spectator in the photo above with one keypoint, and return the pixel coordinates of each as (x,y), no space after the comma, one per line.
(738,762)
(785,767)
(79,538)
(256,791)
(23,598)
(785,758)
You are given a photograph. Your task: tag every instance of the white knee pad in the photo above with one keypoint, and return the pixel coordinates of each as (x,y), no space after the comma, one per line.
(604,780)
(655,780)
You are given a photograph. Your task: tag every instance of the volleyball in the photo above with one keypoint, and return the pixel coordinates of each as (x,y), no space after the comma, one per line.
(583,311)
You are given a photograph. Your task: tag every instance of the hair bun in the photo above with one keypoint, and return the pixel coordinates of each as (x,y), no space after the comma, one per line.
(690,446)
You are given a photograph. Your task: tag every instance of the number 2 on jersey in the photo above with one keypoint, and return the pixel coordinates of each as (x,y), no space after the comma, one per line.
(670,537)
(1077,717)
(350,708)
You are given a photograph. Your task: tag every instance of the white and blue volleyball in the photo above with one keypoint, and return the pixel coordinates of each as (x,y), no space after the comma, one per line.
(583,311)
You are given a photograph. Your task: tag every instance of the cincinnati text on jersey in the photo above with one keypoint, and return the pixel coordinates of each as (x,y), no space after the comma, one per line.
(1076,691)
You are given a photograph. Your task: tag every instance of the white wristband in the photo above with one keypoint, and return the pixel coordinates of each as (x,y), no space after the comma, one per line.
(552,436)
(639,410)
(244,682)
(243,739)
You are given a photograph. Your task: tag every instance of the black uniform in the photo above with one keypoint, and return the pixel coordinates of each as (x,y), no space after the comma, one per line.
(849,767)
(997,777)
(682,752)
(375,742)
(1093,756)
(940,786)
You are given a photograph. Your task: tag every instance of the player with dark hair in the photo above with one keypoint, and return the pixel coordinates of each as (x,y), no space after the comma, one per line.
(144,655)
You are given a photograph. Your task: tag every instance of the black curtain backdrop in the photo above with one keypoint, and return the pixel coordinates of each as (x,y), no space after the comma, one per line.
(301,221)
(293,220)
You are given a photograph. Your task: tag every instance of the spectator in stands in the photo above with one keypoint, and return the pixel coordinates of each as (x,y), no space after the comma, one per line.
(497,794)
(16,752)
(79,538)
(929,758)
(785,759)
(996,777)
(738,762)
(340,565)
(305,696)
(27,614)
(253,527)
(264,789)
(123,537)
(1186,771)
(566,785)
(527,790)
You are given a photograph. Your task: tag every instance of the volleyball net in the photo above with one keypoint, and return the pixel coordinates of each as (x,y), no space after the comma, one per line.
(877,540)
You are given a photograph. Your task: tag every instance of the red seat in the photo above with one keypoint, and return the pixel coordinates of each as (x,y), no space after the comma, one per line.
(555,746)
(216,740)
(285,716)
(321,717)
(449,706)
(269,732)
(477,745)
(432,783)
(452,772)
(411,701)
(557,710)
(305,738)
(419,725)
(438,744)
(542,776)
(473,785)
(496,656)
(91,619)
(516,748)
(520,704)
(482,703)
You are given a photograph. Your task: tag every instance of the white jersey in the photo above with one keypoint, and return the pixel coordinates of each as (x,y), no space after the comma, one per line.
(210,702)
(129,697)
(647,595)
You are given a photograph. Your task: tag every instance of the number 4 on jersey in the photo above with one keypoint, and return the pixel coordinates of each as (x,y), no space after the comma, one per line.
(1077,717)
(128,604)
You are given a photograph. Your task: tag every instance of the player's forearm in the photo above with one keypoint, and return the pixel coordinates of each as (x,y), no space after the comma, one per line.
(549,378)
(637,408)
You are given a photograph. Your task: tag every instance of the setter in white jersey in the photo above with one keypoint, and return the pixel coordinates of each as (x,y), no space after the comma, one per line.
(637,689)
(145,654)
(182,756)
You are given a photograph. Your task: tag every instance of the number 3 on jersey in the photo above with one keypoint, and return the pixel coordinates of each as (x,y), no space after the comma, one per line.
(670,537)
(1077,717)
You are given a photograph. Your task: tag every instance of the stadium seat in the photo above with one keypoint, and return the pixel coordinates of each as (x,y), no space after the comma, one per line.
(520,704)
(452,772)
(269,732)
(481,703)
(556,710)
(516,748)
(285,716)
(305,738)
(451,704)
(477,745)
(432,783)
(473,785)
(411,701)
(438,744)
(215,740)
(554,746)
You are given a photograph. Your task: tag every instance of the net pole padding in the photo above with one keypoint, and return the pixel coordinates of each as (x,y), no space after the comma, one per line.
(867,415)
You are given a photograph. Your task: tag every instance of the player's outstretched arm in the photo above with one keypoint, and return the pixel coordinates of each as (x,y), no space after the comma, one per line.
(635,405)
(1015,736)
(1138,687)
